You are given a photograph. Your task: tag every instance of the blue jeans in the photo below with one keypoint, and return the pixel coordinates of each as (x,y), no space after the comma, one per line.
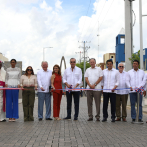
(133,100)
(12,104)
(41,98)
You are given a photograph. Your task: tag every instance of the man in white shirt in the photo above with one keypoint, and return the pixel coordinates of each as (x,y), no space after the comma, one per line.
(44,81)
(93,77)
(121,95)
(110,82)
(72,78)
(135,80)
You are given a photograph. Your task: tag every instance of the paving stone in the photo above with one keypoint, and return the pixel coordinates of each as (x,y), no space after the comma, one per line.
(72,133)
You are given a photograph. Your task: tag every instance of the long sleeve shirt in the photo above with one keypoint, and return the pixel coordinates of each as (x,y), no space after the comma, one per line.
(73,77)
(122,83)
(13,76)
(135,79)
(44,80)
(110,79)
(28,82)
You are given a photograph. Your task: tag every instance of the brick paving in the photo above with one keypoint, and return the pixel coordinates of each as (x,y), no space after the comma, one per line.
(72,133)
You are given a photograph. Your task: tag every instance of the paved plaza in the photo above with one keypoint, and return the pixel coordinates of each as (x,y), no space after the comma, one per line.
(72,133)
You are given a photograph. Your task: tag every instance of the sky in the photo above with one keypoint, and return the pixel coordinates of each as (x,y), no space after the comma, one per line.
(27,26)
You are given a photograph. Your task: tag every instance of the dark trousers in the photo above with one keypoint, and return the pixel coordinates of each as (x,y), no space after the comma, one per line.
(106,97)
(69,103)
(28,99)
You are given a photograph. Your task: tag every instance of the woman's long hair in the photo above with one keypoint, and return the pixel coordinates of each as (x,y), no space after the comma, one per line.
(59,72)
(26,72)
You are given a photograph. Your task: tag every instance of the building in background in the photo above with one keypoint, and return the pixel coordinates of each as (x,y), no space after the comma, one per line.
(3,58)
(120,48)
(109,56)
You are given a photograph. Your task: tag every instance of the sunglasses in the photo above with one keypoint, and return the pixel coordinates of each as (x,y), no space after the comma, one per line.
(73,62)
(121,66)
(29,70)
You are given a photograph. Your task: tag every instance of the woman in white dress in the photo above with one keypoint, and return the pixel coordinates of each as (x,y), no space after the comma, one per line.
(2,94)
(13,75)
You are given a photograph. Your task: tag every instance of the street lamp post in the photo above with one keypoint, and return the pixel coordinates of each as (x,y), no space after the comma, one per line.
(43,52)
(141,34)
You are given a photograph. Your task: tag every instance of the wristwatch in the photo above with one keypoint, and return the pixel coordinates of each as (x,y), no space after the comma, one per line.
(95,84)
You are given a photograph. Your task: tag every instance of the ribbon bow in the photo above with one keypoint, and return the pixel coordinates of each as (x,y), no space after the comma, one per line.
(140,90)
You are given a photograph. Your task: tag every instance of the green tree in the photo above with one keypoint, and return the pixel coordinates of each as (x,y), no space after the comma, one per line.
(135,57)
(81,65)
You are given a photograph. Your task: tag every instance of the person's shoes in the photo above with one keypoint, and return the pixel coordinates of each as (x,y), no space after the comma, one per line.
(118,119)
(3,120)
(104,119)
(124,119)
(75,118)
(140,120)
(97,119)
(133,120)
(40,119)
(13,119)
(67,118)
(49,119)
(90,119)
(113,120)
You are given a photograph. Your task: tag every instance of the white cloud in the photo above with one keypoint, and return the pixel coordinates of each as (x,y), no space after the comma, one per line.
(58,4)
(44,5)
(25,31)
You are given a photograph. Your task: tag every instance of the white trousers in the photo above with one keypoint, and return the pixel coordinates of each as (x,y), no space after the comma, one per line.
(2,113)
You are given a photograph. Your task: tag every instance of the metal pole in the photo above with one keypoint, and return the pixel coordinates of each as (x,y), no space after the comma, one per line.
(137,115)
(128,35)
(131,26)
(84,63)
(141,36)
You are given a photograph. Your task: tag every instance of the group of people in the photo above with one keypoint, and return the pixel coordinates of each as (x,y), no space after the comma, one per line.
(115,85)
(99,81)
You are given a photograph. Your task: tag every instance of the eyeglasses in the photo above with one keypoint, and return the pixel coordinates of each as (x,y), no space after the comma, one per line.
(121,66)
(29,70)
(12,62)
(73,62)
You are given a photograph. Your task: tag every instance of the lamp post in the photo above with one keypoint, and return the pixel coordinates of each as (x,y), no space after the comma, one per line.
(43,52)
(141,34)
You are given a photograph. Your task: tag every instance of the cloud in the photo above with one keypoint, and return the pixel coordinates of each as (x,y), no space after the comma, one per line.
(44,5)
(58,4)
(26,29)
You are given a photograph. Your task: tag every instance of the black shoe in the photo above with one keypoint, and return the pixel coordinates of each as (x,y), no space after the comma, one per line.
(67,118)
(104,119)
(113,120)
(75,118)
(49,119)
(40,119)
(3,120)
(140,120)
(133,120)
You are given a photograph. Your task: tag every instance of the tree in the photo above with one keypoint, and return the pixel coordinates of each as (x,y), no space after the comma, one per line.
(135,56)
(81,65)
